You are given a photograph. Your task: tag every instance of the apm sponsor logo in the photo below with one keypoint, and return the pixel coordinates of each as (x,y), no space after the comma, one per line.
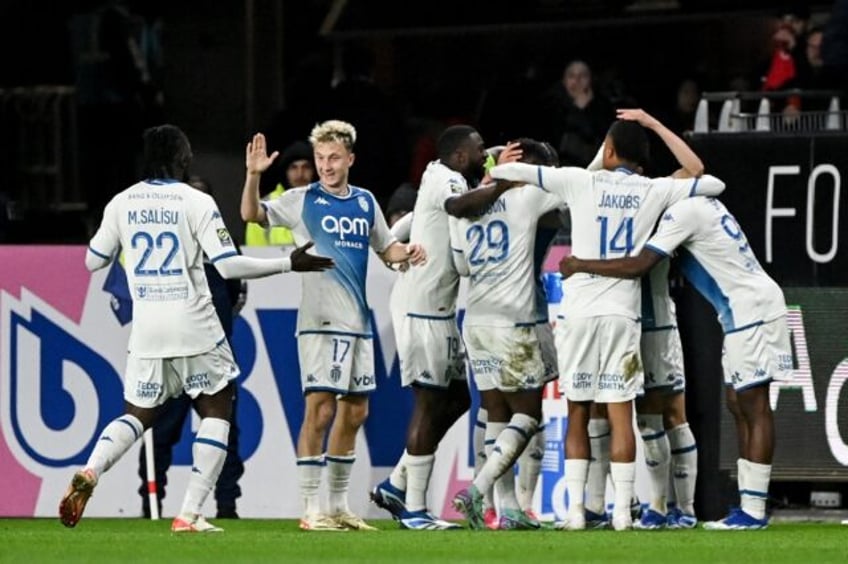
(345,226)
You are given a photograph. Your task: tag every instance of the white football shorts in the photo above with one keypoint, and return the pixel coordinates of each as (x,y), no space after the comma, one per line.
(508,359)
(545,334)
(149,382)
(662,360)
(757,355)
(431,351)
(599,358)
(336,362)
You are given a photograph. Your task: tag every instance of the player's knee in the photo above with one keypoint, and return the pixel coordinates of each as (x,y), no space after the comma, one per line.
(319,415)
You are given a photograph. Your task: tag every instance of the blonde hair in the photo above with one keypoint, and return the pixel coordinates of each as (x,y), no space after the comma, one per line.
(334,131)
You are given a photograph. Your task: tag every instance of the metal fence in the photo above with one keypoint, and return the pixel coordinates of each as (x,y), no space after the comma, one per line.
(734,114)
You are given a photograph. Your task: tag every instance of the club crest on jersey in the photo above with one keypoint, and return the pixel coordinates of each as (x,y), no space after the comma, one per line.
(455,187)
(363,203)
(224,236)
(336,373)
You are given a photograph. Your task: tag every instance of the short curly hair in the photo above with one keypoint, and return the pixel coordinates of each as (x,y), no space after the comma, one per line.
(334,131)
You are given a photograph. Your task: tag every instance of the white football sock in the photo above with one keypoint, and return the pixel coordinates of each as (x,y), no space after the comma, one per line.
(398,476)
(309,469)
(208,453)
(529,467)
(509,444)
(657,458)
(493,429)
(575,484)
(596,478)
(418,471)
(684,466)
(623,475)
(754,496)
(116,439)
(338,480)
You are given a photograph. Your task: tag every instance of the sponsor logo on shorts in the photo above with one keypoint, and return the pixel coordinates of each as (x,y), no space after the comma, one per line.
(364,380)
(310,378)
(148,390)
(425,375)
(581,381)
(611,381)
(199,381)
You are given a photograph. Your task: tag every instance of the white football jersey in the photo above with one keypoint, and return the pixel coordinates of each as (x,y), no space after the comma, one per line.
(718,261)
(612,215)
(498,248)
(343,228)
(658,310)
(431,289)
(164,227)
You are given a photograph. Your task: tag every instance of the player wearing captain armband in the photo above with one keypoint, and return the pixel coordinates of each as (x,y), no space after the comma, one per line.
(613,212)
(177,343)
(334,333)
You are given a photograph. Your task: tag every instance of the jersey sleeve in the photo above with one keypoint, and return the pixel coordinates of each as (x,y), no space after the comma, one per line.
(675,228)
(380,235)
(678,189)
(402,229)
(540,202)
(562,182)
(450,187)
(107,240)
(212,234)
(457,245)
(286,209)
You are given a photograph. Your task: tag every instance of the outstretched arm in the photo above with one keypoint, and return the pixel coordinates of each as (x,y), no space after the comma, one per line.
(627,267)
(401,252)
(475,201)
(684,154)
(239,266)
(256,162)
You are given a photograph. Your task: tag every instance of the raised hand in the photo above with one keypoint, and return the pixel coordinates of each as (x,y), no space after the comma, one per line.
(256,158)
(638,115)
(301,261)
(510,154)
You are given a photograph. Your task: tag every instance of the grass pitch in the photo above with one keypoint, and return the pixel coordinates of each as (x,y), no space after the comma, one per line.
(35,541)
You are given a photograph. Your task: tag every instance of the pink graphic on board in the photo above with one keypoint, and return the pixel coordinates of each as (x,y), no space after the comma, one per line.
(454,485)
(57,275)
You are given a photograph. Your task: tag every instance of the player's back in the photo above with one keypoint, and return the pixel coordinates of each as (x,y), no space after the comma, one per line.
(431,288)
(157,223)
(612,217)
(498,247)
(718,260)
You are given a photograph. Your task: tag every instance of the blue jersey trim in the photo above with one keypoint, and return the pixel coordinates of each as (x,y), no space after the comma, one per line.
(436,317)
(539,177)
(694,187)
(226,254)
(656,250)
(161,181)
(99,254)
(708,287)
(331,332)
(662,328)
(745,327)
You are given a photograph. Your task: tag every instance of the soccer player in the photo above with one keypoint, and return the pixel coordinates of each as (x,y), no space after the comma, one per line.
(177,343)
(613,212)
(497,246)
(717,260)
(334,333)
(670,448)
(424,316)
